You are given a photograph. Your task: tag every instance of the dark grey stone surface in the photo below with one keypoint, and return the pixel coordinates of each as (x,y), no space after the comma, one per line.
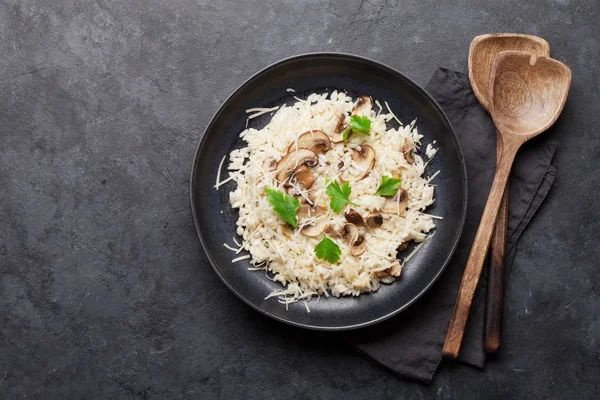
(104,290)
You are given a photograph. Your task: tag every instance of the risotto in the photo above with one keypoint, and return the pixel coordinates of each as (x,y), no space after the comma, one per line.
(328,192)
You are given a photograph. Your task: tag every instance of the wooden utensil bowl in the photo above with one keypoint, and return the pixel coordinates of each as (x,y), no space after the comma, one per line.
(527,92)
(483,51)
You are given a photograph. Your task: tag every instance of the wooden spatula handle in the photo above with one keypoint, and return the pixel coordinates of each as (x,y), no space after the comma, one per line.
(494,306)
(478,251)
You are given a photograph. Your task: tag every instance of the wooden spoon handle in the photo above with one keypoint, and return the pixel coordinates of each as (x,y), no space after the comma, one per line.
(478,251)
(495,294)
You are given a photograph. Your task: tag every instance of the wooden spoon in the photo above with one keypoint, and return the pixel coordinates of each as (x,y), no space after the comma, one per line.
(482,52)
(527,94)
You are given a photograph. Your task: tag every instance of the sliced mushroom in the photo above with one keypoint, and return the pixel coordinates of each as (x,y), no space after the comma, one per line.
(288,164)
(270,165)
(316,141)
(374,220)
(340,127)
(409,152)
(303,176)
(395,269)
(354,217)
(363,106)
(291,190)
(287,230)
(403,246)
(337,138)
(396,204)
(358,246)
(364,159)
(380,274)
(318,212)
(349,232)
(332,232)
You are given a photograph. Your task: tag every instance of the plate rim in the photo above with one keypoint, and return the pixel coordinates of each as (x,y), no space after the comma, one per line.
(377,64)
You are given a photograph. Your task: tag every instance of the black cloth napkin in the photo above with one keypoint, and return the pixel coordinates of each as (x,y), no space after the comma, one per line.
(411,343)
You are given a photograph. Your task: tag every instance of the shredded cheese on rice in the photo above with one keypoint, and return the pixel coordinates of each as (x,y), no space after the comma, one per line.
(289,255)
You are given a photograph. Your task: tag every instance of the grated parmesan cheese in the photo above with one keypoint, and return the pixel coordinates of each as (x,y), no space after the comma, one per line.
(219,184)
(392,114)
(219,172)
(240,258)
(228,247)
(379,105)
(260,111)
(434,216)
(433,176)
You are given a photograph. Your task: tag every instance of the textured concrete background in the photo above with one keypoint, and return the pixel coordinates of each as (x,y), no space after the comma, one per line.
(104,290)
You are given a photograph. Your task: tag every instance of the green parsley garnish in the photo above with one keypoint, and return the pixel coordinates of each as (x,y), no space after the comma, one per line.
(389,186)
(360,124)
(327,250)
(339,195)
(285,205)
(347,133)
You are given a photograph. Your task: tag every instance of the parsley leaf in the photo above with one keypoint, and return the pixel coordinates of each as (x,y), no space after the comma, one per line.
(285,205)
(327,250)
(360,124)
(347,134)
(339,195)
(389,186)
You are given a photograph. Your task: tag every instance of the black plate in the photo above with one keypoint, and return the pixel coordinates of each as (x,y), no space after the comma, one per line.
(215,220)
